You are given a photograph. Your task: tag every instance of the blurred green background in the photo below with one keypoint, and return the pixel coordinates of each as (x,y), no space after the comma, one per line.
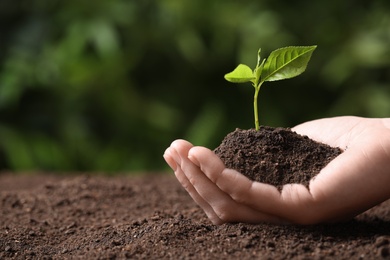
(107,85)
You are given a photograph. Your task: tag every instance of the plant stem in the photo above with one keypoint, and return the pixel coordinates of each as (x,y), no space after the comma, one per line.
(255,107)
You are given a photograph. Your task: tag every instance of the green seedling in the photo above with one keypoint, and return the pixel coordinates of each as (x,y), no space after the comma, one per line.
(283,63)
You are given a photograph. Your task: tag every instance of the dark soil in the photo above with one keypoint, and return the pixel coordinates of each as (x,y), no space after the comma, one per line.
(277,156)
(67,217)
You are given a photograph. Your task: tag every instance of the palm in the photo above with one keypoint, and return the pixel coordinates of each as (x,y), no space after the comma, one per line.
(353,182)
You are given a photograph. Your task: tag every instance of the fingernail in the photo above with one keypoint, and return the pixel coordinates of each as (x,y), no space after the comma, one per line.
(193,158)
(170,161)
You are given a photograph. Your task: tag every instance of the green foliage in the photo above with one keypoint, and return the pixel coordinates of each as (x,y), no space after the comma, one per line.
(107,85)
(241,74)
(286,63)
(283,63)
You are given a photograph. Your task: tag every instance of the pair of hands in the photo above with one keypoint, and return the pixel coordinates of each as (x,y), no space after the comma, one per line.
(355,181)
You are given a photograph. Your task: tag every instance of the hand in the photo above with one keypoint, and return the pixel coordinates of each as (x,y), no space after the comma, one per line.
(355,181)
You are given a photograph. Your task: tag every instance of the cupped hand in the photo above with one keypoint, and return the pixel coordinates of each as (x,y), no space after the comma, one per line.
(353,182)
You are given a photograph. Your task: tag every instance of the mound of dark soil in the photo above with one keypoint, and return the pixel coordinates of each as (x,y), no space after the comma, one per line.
(277,156)
(81,217)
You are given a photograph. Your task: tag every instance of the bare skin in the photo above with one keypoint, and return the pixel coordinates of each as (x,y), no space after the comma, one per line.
(355,181)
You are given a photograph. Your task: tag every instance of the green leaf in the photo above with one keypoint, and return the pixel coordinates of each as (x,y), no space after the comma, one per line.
(241,74)
(287,62)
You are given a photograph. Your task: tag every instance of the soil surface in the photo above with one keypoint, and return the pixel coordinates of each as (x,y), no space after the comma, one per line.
(152,217)
(277,156)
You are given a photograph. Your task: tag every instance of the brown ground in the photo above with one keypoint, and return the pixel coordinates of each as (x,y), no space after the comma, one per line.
(48,217)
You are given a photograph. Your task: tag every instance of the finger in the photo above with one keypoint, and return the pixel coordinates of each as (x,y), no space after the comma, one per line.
(169,159)
(260,196)
(196,197)
(211,164)
(221,208)
(179,151)
(225,206)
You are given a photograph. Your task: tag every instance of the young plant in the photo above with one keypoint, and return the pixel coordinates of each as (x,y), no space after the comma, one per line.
(283,63)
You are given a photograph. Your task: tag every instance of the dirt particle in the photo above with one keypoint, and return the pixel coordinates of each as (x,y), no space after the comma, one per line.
(381,241)
(384,252)
(271,244)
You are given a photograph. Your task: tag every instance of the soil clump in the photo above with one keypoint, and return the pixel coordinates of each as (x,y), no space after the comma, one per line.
(276,156)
